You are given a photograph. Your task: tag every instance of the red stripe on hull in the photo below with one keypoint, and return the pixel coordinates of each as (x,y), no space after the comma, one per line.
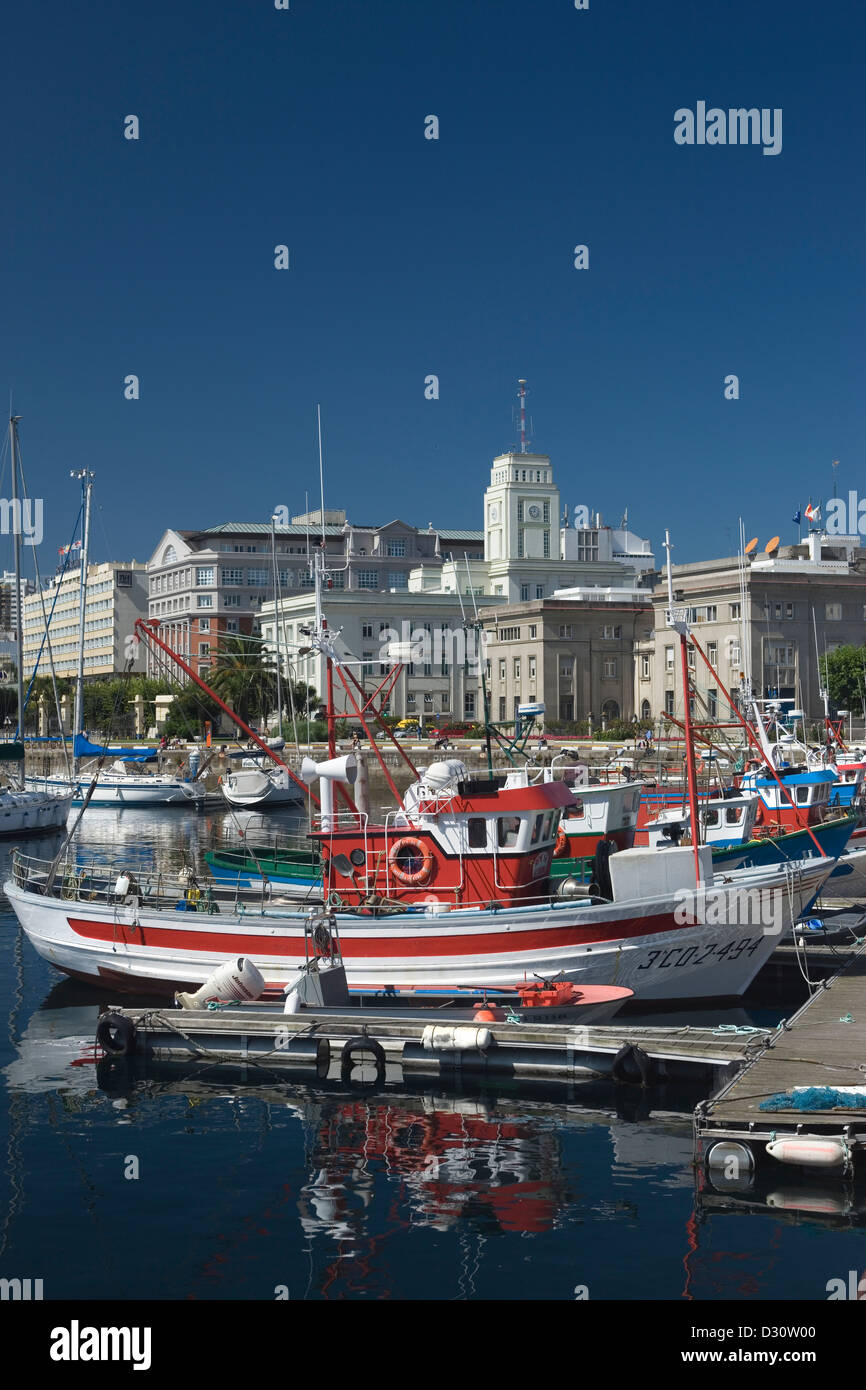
(401,946)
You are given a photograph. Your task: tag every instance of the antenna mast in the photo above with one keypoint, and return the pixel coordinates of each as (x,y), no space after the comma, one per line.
(521,391)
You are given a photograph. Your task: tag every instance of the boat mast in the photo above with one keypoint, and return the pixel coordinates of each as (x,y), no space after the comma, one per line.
(16,529)
(277,615)
(321,620)
(676,619)
(85,477)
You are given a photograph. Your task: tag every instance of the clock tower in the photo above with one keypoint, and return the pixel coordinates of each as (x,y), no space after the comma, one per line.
(521,526)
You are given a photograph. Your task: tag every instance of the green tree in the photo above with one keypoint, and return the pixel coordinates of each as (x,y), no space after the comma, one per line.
(843,671)
(187,715)
(244,677)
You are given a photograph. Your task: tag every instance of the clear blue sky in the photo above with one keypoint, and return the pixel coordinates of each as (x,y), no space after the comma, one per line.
(411,257)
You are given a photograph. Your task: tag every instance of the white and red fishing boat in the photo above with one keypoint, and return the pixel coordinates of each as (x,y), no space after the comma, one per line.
(659,932)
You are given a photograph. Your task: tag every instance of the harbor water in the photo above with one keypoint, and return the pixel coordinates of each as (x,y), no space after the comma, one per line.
(184,1185)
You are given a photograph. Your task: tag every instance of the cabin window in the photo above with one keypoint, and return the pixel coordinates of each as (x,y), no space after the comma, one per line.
(508,831)
(550,824)
(712,817)
(478,832)
(802,795)
(536,829)
(733,815)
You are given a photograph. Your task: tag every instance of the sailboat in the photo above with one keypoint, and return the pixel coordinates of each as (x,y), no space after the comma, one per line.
(116,785)
(23,810)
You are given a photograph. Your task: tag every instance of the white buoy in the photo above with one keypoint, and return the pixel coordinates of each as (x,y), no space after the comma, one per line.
(237,980)
(458,1038)
(810,1150)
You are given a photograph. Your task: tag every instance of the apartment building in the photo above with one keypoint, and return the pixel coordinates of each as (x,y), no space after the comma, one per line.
(207,584)
(116,596)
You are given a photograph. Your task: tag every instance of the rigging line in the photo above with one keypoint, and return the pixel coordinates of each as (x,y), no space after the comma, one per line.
(46,621)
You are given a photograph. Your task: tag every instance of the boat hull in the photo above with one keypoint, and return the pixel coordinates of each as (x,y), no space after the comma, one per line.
(651,946)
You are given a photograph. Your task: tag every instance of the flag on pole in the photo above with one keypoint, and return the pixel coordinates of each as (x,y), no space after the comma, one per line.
(797,517)
(813,513)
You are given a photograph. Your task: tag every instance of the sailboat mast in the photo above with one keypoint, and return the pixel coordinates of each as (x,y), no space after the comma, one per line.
(677,621)
(86,478)
(277,616)
(16,529)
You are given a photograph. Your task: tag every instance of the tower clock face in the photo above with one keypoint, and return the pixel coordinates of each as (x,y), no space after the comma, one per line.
(494,512)
(534,512)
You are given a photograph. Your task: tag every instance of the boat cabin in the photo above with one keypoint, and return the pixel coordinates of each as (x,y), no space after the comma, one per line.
(457,840)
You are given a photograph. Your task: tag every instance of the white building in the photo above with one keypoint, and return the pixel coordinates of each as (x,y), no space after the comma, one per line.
(116,597)
(443,680)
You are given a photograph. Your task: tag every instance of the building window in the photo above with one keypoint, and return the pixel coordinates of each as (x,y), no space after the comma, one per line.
(669,658)
(735,651)
(547,545)
(610,632)
(833,612)
(232,600)
(669,702)
(690,657)
(520,510)
(398,579)
(539,591)
(532,629)
(566,629)
(204,575)
(204,624)
(644,668)
(609,668)
(547,513)
(204,648)
(367,668)
(517,668)
(396,548)
(124,579)
(410,699)
(469,704)
(367,579)
(735,610)
(445,702)
(366,629)
(257,577)
(502,715)
(532,668)
(524,593)
(713,653)
(502,670)
(712,703)
(205,600)
(509,634)
(587,545)
(232,576)
(520,543)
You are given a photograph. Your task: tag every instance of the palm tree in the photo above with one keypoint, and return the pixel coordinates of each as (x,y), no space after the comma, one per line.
(244,677)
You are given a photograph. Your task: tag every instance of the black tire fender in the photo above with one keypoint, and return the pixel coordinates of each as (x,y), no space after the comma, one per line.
(115,1034)
(356,1047)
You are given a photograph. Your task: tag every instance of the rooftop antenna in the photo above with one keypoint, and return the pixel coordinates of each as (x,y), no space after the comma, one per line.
(835,466)
(521,391)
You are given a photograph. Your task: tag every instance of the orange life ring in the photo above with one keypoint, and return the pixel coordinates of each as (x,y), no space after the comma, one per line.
(410,877)
(561,846)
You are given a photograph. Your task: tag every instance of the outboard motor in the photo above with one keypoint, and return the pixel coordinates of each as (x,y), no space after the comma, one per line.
(236,981)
